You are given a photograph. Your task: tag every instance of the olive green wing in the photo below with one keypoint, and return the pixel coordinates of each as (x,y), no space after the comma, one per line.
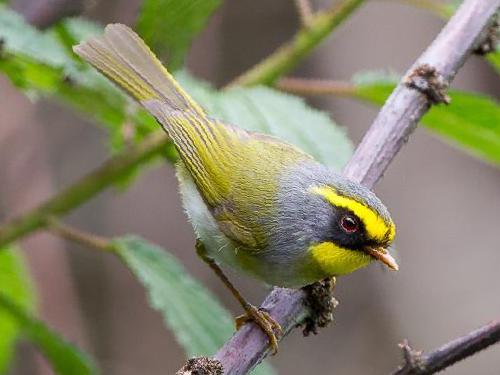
(235,171)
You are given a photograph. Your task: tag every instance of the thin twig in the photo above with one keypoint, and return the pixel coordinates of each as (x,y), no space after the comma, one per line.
(308,86)
(390,130)
(84,189)
(417,363)
(285,58)
(440,8)
(76,235)
(305,12)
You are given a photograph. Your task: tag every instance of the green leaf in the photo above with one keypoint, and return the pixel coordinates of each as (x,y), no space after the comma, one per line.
(19,38)
(48,68)
(199,322)
(80,29)
(494,59)
(169,26)
(15,285)
(471,121)
(52,70)
(287,117)
(64,357)
(41,64)
(16,308)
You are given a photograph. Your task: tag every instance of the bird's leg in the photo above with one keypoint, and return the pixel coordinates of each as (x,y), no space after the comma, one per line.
(262,318)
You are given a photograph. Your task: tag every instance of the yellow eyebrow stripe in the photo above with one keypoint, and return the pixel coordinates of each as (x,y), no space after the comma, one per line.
(375,226)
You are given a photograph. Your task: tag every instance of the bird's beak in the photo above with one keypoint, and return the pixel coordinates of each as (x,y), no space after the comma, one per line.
(383,256)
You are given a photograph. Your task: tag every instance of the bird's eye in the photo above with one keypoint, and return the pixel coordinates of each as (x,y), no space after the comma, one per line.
(349,224)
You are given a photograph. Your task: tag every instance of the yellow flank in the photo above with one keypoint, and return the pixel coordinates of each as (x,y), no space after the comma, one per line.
(335,260)
(376,227)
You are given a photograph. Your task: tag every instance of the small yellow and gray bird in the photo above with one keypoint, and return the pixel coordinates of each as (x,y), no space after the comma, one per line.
(256,203)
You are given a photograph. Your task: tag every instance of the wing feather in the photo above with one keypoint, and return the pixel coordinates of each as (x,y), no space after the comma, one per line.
(235,171)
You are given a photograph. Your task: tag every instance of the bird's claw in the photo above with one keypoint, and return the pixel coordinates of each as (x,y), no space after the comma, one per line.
(265,321)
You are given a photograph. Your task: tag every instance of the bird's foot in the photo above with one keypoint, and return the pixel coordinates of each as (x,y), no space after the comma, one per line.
(265,321)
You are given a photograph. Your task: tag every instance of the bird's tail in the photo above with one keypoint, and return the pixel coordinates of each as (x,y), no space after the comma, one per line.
(122,56)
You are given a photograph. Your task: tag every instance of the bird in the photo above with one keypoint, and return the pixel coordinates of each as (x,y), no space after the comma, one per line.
(257,204)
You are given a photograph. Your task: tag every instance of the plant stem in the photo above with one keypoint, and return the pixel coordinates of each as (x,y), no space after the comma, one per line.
(450,353)
(307,86)
(79,236)
(285,58)
(84,189)
(305,12)
(439,8)
(390,130)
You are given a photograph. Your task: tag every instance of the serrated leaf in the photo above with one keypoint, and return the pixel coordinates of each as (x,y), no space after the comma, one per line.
(471,121)
(169,26)
(19,38)
(67,79)
(65,358)
(15,285)
(40,64)
(198,321)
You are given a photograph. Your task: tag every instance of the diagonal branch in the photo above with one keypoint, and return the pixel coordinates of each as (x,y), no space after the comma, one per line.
(274,65)
(417,363)
(285,58)
(69,233)
(84,189)
(390,130)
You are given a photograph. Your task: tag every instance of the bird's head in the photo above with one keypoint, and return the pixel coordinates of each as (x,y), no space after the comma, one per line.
(359,228)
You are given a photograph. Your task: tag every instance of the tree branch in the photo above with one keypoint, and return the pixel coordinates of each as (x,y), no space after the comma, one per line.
(248,346)
(310,86)
(83,189)
(390,130)
(417,363)
(285,58)
(98,180)
(305,12)
(440,8)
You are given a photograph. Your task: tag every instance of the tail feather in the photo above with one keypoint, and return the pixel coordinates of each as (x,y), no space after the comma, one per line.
(122,56)
(221,159)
